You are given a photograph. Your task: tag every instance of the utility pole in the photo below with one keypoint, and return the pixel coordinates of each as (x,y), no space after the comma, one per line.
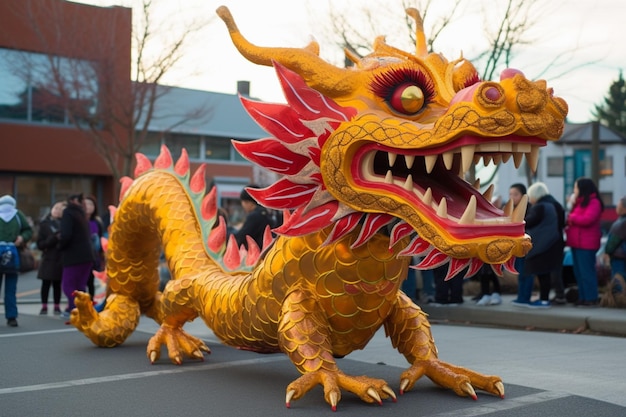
(595,153)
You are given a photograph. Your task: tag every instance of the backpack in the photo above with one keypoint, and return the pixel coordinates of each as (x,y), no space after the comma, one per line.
(9,258)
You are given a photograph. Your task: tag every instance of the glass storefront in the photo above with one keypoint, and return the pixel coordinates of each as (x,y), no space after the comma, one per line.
(35,194)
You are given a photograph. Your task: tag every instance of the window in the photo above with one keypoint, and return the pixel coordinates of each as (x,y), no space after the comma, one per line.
(42,88)
(555,166)
(177,141)
(217,148)
(606,166)
(203,148)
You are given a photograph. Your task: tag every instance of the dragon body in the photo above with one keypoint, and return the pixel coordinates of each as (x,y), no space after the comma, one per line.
(372,161)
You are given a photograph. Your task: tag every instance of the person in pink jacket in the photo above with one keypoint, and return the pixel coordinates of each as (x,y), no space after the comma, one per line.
(583,237)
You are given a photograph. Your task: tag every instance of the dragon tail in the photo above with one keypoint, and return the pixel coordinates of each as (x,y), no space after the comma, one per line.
(164,211)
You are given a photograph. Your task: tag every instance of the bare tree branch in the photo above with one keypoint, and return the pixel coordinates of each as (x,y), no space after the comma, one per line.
(120,124)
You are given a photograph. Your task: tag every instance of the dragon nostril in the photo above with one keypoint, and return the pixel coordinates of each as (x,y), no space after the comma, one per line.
(510,73)
(493,94)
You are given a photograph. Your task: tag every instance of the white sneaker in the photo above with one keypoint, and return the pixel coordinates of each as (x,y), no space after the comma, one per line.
(484,301)
(495,299)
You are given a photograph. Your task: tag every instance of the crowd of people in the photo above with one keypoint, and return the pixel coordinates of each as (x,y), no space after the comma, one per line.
(69,238)
(554,229)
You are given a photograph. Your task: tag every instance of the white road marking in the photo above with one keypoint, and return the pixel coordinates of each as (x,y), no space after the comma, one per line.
(72,329)
(121,377)
(508,404)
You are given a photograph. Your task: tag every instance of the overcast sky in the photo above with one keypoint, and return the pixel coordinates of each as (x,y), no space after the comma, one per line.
(594,30)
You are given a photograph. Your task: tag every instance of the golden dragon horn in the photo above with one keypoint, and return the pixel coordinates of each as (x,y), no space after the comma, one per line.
(317,73)
(420,38)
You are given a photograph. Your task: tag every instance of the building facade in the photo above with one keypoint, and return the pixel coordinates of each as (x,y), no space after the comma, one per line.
(571,157)
(45,157)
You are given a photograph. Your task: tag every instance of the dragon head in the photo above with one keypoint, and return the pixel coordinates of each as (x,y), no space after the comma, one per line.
(388,142)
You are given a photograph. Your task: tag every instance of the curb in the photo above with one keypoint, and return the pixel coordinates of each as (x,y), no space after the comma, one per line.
(563,319)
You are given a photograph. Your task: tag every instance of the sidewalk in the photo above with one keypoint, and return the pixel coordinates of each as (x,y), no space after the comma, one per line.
(567,318)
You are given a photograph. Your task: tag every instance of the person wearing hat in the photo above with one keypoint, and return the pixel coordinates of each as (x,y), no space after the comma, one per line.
(257,219)
(14,229)
(76,249)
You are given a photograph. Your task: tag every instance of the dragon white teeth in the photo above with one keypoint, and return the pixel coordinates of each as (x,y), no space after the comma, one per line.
(508,209)
(389,177)
(428,197)
(488,147)
(522,147)
(488,194)
(430,161)
(520,211)
(467,157)
(506,147)
(408,184)
(442,209)
(533,157)
(409,159)
(448,159)
(469,215)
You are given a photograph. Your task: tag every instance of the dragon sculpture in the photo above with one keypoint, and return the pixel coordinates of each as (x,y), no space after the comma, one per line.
(372,160)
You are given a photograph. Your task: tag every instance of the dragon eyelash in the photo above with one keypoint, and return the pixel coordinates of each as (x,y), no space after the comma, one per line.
(386,83)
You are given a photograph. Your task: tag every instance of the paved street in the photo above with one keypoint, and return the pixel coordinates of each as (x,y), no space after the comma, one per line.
(51,369)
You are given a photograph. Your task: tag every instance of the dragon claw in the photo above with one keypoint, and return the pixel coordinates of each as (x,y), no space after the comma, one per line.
(499,386)
(403,384)
(390,392)
(288,397)
(467,388)
(179,344)
(334,398)
(372,393)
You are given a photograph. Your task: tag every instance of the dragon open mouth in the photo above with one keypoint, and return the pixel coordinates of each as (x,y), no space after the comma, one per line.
(432,179)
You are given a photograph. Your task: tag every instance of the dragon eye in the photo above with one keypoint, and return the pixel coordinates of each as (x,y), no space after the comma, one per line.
(405,90)
(407,99)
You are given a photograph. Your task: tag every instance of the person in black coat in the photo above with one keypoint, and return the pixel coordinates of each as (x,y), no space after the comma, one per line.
(544,224)
(51,267)
(75,245)
(257,219)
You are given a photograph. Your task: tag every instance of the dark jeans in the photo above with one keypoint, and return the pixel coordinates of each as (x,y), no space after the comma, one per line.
(10,295)
(488,277)
(585,272)
(450,291)
(525,282)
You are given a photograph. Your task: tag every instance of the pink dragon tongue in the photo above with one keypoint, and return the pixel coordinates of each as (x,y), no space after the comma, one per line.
(510,73)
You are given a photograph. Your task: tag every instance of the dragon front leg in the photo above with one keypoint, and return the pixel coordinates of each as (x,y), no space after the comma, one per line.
(409,331)
(176,311)
(304,335)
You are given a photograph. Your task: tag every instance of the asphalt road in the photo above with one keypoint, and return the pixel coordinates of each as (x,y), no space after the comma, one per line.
(51,369)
